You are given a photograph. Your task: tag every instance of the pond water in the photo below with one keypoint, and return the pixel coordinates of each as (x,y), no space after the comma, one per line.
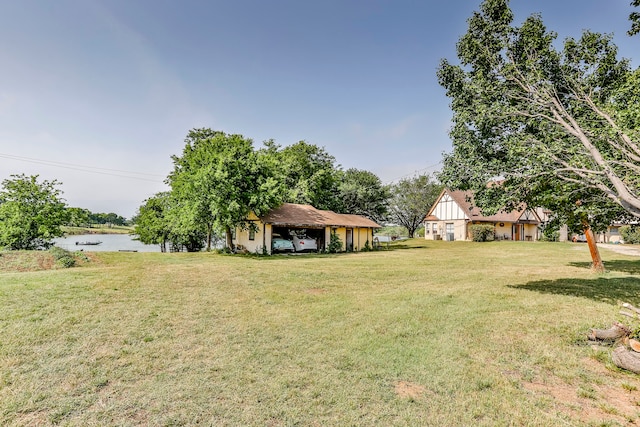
(109,243)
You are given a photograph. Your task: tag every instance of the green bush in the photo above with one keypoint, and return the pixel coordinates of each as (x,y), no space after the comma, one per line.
(63,257)
(335,244)
(630,233)
(482,233)
(550,234)
(366,247)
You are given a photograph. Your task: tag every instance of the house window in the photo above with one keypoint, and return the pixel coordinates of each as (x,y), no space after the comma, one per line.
(435,228)
(252,234)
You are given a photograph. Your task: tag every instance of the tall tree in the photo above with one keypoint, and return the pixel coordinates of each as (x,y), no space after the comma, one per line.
(361,192)
(634,17)
(31,212)
(78,217)
(151,223)
(309,174)
(219,180)
(411,199)
(527,113)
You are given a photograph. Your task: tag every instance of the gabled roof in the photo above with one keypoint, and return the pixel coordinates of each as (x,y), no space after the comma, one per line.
(292,214)
(464,199)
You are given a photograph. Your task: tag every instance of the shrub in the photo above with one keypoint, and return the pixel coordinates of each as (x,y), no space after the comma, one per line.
(550,235)
(63,257)
(335,244)
(482,233)
(366,247)
(630,233)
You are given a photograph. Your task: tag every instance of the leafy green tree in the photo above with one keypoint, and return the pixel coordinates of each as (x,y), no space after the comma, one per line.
(411,199)
(528,113)
(634,17)
(218,181)
(361,192)
(151,223)
(309,174)
(31,212)
(78,217)
(630,233)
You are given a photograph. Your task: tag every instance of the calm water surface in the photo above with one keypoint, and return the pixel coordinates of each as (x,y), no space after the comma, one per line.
(110,243)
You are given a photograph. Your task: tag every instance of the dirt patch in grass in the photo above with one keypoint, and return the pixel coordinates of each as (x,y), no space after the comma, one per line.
(20,261)
(619,401)
(25,261)
(408,390)
(316,291)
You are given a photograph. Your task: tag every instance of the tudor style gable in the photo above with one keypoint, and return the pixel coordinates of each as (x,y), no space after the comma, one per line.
(529,216)
(447,208)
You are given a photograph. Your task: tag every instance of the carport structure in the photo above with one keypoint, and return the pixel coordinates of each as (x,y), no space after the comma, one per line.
(353,230)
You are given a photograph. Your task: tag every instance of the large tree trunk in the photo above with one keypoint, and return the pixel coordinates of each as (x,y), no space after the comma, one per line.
(598,265)
(229,238)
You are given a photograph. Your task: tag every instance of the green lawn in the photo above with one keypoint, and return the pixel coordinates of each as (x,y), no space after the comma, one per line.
(430,333)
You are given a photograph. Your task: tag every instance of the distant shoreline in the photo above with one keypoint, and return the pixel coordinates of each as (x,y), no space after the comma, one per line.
(116,229)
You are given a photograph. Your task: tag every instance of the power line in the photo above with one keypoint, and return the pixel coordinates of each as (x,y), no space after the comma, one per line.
(90,169)
(140,175)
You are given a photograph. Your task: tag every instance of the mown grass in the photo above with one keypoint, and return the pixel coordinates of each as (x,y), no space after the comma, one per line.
(431,333)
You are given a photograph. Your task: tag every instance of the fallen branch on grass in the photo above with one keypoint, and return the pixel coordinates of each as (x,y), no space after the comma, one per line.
(616,331)
(626,359)
(630,307)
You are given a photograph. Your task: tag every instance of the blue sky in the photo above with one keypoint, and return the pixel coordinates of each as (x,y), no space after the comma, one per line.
(98,94)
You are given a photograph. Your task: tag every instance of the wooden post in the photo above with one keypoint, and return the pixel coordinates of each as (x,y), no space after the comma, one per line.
(598,265)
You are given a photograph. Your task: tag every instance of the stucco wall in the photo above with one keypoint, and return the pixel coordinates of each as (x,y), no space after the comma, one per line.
(361,236)
(503,232)
(255,245)
(530,230)
(342,234)
(462,230)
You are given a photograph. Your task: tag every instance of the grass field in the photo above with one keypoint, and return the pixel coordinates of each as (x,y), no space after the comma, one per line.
(429,333)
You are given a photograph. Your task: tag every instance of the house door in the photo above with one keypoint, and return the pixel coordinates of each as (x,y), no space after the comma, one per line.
(516,232)
(349,240)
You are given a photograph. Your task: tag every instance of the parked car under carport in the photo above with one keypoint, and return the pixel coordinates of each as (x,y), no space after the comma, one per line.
(304,243)
(280,244)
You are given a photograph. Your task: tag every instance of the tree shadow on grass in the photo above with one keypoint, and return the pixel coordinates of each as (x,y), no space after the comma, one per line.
(624,266)
(396,246)
(607,290)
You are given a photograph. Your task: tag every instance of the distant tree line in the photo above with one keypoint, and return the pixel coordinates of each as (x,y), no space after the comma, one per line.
(220,178)
(79,217)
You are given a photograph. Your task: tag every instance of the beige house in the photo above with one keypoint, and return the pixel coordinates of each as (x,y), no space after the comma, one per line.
(453,213)
(354,231)
(611,235)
